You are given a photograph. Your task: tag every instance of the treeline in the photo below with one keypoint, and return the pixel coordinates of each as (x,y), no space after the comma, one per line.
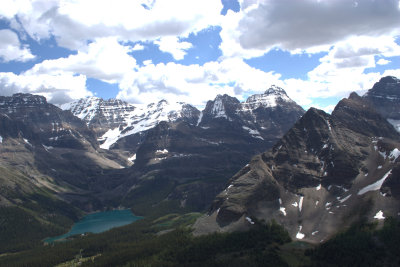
(23,227)
(265,244)
(139,245)
(361,245)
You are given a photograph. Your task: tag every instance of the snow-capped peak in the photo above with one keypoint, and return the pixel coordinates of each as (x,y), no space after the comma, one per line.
(276,90)
(84,108)
(145,117)
(218,108)
(114,110)
(270,98)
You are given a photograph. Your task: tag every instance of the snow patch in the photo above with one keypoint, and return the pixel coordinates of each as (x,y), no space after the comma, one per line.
(318,187)
(344,199)
(314,233)
(283,210)
(295,204)
(375,186)
(301,203)
(1,139)
(164,151)
(200,118)
(26,141)
(329,125)
(218,109)
(249,220)
(133,158)
(379,167)
(394,155)
(110,137)
(280,201)
(47,148)
(300,235)
(253,133)
(379,215)
(395,123)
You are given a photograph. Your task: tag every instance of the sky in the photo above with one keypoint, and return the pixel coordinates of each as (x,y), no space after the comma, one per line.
(143,51)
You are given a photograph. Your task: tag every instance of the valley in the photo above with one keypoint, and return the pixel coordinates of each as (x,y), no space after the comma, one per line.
(252,180)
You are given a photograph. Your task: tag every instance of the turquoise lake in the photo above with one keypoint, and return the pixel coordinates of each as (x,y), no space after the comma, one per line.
(98,222)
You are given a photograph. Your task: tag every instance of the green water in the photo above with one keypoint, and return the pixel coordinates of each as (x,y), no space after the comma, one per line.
(98,222)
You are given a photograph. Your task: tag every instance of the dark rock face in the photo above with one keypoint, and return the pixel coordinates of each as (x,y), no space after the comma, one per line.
(198,158)
(316,177)
(100,114)
(122,126)
(53,126)
(177,150)
(385,97)
(52,147)
(265,116)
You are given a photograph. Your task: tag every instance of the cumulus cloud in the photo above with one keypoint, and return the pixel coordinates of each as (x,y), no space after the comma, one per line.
(11,49)
(58,89)
(352,35)
(194,83)
(69,22)
(383,61)
(172,45)
(104,59)
(293,25)
(138,47)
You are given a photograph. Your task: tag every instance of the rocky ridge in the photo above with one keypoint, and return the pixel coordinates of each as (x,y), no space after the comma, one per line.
(385,97)
(194,158)
(326,172)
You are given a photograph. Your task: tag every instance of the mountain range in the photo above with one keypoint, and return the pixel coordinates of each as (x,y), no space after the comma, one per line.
(261,159)
(327,172)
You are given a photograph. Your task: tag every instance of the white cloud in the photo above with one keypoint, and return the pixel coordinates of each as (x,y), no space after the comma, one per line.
(147,62)
(171,44)
(353,36)
(311,25)
(292,24)
(126,20)
(11,48)
(383,61)
(195,84)
(104,59)
(57,89)
(138,47)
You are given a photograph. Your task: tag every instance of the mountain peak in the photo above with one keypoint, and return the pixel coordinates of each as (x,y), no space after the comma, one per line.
(271,98)
(22,98)
(389,79)
(385,96)
(275,90)
(354,96)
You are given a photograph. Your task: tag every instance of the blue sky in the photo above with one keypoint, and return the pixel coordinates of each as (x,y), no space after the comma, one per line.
(184,50)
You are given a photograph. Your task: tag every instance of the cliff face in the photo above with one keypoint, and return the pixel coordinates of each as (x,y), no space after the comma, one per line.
(326,172)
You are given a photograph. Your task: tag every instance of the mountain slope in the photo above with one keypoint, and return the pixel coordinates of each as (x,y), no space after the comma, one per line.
(114,120)
(326,172)
(385,97)
(186,164)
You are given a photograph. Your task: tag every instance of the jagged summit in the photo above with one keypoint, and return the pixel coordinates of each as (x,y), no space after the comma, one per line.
(275,90)
(317,176)
(272,97)
(21,99)
(384,96)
